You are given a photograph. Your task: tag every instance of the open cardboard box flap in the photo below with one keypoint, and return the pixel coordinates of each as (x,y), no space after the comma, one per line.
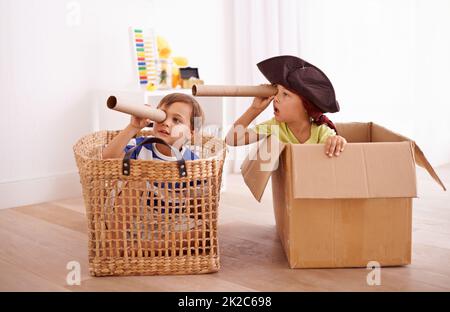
(381,169)
(377,133)
(257,169)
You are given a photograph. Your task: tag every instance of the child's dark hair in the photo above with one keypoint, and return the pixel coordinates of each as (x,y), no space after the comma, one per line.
(197,111)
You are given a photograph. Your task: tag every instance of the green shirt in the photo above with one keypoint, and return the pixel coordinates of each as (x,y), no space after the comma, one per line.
(319,134)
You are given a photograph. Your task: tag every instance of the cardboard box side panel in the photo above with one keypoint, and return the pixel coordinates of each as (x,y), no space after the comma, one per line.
(408,229)
(280,199)
(390,169)
(312,233)
(373,230)
(381,134)
(317,176)
(364,170)
(351,232)
(355,132)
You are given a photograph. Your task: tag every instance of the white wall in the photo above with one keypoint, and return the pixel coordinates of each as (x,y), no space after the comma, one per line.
(51,64)
(387,59)
(389,62)
(194,29)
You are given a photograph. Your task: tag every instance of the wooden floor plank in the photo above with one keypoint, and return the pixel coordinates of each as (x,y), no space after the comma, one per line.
(56,214)
(15,278)
(37,242)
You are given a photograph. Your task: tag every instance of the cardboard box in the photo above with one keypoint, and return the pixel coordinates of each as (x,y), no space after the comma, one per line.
(343,211)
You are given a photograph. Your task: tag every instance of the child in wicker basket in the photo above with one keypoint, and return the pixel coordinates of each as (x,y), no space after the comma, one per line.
(177,129)
(182,115)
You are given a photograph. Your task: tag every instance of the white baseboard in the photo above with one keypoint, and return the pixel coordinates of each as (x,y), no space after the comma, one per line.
(39,190)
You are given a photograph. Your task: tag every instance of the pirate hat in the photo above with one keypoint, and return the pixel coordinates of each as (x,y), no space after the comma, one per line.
(303,78)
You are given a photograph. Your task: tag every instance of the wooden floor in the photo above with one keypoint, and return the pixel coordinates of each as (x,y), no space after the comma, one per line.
(38,241)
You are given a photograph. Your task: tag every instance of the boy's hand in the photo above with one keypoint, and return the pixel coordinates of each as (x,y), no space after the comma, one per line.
(260,104)
(139,123)
(335,145)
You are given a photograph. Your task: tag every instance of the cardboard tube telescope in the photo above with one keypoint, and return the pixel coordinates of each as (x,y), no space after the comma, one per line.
(251,91)
(140,111)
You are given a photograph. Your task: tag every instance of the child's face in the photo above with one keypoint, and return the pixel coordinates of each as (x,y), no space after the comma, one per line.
(288,106)
(176,128)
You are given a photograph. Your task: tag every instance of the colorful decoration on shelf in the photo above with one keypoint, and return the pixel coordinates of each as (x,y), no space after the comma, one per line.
(145,55)
(156,67)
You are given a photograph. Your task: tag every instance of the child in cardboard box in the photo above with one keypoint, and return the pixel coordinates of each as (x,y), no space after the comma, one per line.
(304,95)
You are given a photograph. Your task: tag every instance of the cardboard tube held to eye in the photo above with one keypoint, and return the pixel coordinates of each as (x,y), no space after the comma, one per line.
(140,111)
(251,91)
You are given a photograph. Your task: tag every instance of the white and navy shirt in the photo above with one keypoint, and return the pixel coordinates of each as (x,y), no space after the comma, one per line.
(150,151)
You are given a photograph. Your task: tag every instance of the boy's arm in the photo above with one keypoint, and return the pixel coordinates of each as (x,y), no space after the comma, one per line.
(239,134)
(115,149)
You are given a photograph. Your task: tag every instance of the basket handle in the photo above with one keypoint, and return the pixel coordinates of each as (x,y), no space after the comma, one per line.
(126,164)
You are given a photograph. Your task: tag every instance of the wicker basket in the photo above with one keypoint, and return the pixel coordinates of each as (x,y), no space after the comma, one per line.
(153,220)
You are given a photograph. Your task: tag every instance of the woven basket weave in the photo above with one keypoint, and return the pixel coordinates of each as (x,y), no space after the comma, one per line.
(151,221)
